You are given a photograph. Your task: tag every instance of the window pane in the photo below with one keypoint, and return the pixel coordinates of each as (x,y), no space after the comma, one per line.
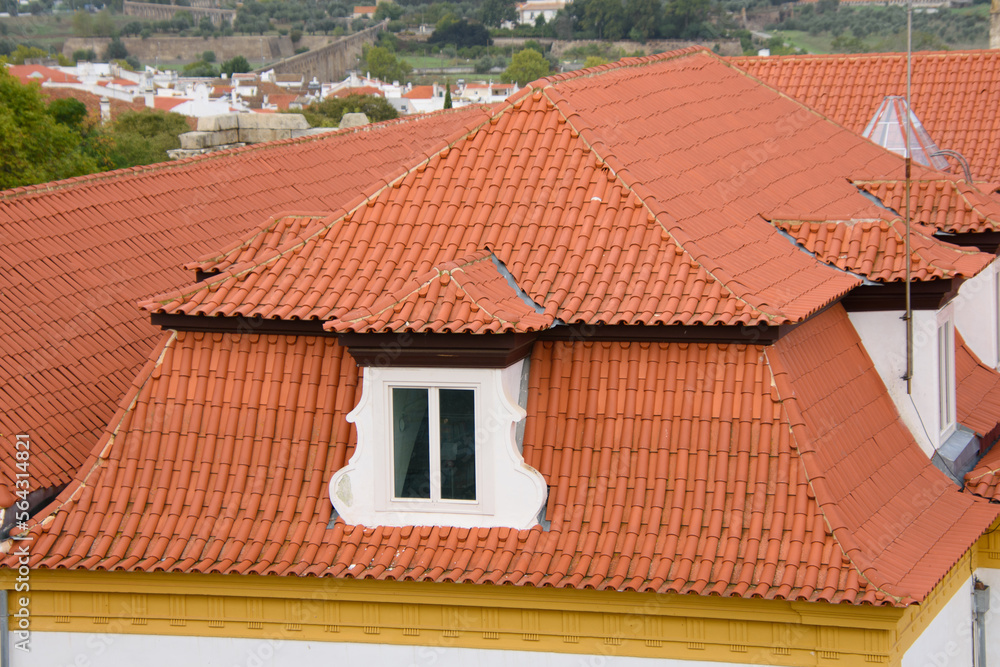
(458,444)
(410,443)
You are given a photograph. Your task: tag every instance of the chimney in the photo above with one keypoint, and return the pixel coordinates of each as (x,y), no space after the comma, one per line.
(149,100)
(105,110)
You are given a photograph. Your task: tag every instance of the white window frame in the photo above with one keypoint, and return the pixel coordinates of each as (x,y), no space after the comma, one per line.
(385,498)
(947,416)
(509,492)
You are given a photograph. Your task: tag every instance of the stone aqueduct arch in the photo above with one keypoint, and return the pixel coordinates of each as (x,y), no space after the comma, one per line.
(148,10)
(331,62)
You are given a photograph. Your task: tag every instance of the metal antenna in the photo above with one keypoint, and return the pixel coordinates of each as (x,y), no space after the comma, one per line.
(908,161)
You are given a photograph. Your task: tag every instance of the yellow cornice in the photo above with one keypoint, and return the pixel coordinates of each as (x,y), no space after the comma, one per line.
(461,615)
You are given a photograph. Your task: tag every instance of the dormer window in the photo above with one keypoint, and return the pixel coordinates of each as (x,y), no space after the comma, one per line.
(434,444)
(437,446)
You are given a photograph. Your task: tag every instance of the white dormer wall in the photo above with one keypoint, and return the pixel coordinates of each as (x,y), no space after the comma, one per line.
(509,492)
(883,334)
(977,314)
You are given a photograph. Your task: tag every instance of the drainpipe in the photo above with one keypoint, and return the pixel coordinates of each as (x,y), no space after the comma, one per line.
(980,605)
(4,631)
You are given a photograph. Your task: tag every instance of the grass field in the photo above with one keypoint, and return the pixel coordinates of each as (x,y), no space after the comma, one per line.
(806,42)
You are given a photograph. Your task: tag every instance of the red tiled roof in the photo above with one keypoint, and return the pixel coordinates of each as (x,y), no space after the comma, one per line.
(469,295)
(80,253)
(950,90)
(168,103)
(703,484)
(897,518)
(600,215)
(984,479)
(978,393)
(420,93)
(876,249)
(93,102)
(40,74)
(951,206)
(282,100)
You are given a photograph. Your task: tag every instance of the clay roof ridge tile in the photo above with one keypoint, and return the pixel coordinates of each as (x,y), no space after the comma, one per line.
(101,450)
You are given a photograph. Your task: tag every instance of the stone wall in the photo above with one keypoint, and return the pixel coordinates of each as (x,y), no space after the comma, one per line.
(329,63)
(153,11)
(189,49)
(727,47)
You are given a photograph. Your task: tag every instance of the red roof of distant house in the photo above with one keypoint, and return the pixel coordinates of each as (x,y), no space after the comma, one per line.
(420,93)
(168,103)
(282,101)
(87,249)
(949,92)
(40,74)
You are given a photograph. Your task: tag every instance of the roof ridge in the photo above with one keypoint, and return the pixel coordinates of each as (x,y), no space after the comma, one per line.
(622,63)
(245,242)
(831,513)
(634,189)
(367,197)
(101,176)
(102,448)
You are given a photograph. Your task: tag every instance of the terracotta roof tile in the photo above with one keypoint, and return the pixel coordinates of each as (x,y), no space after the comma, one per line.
(978,393)
(978,408)
(621,238)
(80,253)
(951,206)
(876,249)
(949,91)
(470,295)
(899,520)
(707,484)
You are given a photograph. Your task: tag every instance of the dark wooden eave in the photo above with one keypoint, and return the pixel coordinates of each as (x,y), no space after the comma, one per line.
(983,241)
(240,325)
(465,349)
(924,295)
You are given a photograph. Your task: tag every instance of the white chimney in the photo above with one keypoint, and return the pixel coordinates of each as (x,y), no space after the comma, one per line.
(105,110)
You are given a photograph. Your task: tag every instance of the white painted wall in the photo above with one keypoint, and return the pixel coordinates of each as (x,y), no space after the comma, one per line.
(884,336)
(65,649)
(947,642)
(977,316)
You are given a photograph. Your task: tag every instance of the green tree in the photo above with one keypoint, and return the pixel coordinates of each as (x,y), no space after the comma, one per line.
(330,111)
(144,137)
(388,10)
(495,12)
(382,63)
(235,65)
(525,66)
(104,25)
(594,61)
(83,24)
(461,34)
(447,94)
(22,53)
(69,112)
(116,50)
(34,148)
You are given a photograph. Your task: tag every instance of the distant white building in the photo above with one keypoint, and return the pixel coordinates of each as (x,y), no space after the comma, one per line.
(528,12)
